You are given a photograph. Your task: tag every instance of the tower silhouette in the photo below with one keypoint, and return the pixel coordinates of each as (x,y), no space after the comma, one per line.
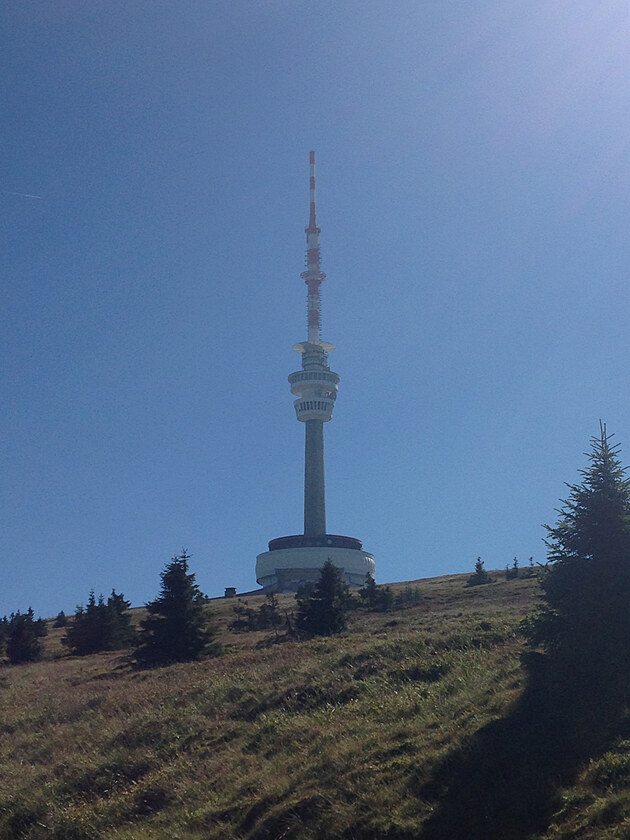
(297,559)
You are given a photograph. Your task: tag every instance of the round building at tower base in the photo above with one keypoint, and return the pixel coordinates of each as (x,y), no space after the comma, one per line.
(298,559)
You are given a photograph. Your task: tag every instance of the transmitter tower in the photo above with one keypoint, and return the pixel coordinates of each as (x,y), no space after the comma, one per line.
(297,559)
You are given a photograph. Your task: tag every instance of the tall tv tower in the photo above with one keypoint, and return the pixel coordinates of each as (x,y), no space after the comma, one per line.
(297,559)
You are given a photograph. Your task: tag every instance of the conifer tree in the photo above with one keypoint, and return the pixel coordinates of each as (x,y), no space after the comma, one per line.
(177,628)
(61,620)
(369,593)
(480,575)
(512,572)
(267,616)
(4,632)
(585,623)
(379,598)
(385,599)
(118,629)
(100,626)
(23,637)
(322,612)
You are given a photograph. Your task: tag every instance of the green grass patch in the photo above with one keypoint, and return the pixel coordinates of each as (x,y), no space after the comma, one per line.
(327,738)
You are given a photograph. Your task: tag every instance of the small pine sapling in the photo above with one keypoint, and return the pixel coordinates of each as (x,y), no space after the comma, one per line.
(369,593)
(511,573)
(480,575)
(323,611)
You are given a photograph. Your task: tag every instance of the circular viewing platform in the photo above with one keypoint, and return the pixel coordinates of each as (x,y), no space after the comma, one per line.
(316,541)
(298,559)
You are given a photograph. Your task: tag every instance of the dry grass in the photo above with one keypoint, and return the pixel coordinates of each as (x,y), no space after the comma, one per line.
(328,738)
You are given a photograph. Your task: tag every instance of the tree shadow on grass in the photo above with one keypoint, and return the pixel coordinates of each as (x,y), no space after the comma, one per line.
(505,783)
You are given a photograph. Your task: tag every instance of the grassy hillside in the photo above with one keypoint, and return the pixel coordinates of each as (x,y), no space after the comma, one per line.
(345,737)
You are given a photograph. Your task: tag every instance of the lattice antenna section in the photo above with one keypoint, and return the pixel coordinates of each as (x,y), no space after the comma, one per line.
(315,384)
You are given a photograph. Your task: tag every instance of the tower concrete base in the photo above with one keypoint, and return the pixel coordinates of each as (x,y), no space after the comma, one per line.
(286,569)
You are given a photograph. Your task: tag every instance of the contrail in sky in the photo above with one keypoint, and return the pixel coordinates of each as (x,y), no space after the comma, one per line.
(22,195)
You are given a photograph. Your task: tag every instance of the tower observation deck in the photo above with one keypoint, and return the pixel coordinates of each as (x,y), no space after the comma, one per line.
(296,559)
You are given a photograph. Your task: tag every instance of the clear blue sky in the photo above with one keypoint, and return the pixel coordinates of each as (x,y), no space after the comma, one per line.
(473,182)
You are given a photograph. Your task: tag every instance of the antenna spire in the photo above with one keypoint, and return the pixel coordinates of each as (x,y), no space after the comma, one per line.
(313,276)
(312,222)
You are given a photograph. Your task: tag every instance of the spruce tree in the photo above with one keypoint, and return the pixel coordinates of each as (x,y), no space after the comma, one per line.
(118,629)
(61,620)
(513,572)
(23,637)
(385,599)
(4,632)
(585,622)
(322,612)
(369,593)
(480,575)
(84,634)
(177,627)
(100,626)
(266,617)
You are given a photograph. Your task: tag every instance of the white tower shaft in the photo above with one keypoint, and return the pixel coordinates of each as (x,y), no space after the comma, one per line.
(315,385)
